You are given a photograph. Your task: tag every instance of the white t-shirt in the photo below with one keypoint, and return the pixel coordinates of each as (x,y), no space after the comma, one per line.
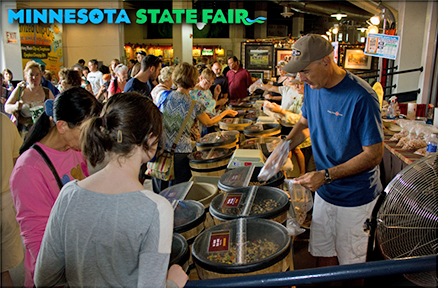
(96,80)
(288,95)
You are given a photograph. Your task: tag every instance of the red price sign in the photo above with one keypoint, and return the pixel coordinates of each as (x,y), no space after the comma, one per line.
(219,241)
(232,200)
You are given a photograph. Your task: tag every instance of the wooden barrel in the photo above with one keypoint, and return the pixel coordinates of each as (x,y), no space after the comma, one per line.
(267,248)
(240,106)
(266,144)
(262,130)
(224,139)
(211,162)
(180,252)
(234,124)
(254,202)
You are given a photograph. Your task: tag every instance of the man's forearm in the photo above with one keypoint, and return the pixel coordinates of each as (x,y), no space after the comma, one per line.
(369,158)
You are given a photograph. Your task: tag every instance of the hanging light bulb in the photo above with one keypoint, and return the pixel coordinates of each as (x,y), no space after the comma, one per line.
(372,29)
(339,15)
(375,20)
(286,13)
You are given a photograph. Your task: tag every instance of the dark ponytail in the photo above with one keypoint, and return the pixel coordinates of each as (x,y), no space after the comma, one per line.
(73,106)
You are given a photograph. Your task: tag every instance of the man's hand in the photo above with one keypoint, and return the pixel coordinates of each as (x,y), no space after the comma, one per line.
(311,180)
(274,107)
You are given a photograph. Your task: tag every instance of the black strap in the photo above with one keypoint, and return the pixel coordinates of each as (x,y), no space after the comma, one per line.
(115,85)
(49,163)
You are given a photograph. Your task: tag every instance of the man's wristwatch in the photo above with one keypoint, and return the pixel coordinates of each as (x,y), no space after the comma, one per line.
(327,178)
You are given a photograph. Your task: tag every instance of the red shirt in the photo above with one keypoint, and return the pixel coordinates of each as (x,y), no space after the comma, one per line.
(238,83)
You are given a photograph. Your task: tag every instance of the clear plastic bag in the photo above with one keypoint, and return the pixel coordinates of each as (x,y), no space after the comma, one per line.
(403,133)
(408,136)
(293,227)
(275,161)
(301,198)
(256,85)
(415,140)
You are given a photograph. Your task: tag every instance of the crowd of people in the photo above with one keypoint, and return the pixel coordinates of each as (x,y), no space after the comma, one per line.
(120,119)
(50,158)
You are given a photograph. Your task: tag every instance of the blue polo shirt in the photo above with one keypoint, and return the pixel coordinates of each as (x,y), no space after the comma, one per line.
(341,120)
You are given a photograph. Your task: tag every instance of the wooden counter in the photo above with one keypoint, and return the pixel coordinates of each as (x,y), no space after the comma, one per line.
(394,160)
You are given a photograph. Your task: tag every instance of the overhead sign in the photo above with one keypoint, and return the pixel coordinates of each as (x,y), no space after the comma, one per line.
(97,16)
(381,45)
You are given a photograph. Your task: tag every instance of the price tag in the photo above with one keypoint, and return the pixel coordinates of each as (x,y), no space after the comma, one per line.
(219,241)
(232,200)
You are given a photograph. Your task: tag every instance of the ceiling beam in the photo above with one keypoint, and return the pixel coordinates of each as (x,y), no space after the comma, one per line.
(373,7)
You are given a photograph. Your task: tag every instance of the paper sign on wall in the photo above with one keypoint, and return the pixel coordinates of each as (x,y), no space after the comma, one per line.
(381,45)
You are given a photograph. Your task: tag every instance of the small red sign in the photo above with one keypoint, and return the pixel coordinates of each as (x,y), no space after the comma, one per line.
(232,200)
(247,163)
(219,241)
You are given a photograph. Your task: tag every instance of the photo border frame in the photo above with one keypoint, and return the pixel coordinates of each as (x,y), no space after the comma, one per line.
(350,51)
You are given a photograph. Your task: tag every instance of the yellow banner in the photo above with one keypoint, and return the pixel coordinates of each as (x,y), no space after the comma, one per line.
(43,44)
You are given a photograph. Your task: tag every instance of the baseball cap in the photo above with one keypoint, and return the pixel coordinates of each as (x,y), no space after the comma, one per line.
(296,81)
(141,53)
(307,49)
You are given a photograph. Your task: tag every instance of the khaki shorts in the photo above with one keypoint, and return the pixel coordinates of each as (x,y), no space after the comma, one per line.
(12,247)
(338,231)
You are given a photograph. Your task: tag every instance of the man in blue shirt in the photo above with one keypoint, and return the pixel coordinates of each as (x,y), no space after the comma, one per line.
(341,113)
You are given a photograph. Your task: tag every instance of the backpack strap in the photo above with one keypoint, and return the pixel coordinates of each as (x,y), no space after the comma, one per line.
(49,163)
(164,97)
(46,93)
